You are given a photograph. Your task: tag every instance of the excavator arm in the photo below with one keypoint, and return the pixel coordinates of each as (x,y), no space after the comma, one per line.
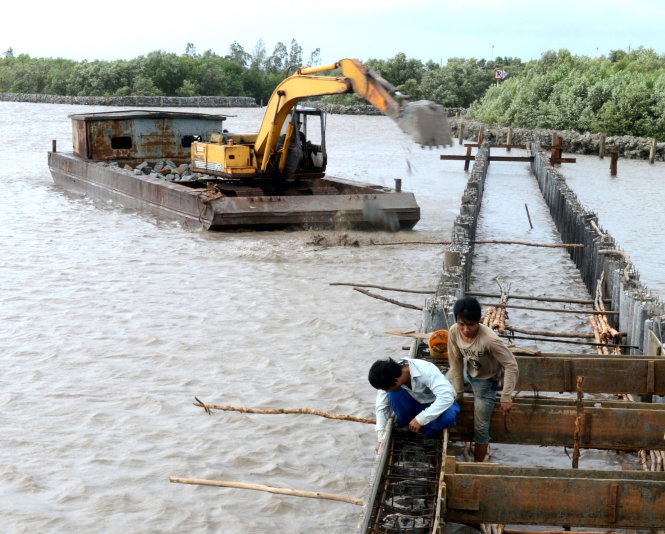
(307,82)
(235,157)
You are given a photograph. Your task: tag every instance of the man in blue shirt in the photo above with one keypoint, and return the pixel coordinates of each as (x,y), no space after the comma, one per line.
(417,392)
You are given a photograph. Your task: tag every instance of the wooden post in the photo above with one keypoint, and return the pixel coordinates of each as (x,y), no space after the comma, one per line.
(509,138)
(557,151)
(53,145)
(481,135)
(461,133)
(601,146)
(398,185)
(614,157)
(468,160)
(652,151)
(529,216)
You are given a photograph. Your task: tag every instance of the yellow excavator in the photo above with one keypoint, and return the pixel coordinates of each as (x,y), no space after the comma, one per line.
(291,145)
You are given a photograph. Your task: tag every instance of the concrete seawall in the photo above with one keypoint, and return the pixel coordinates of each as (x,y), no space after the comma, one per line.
(454,280)
(135,101)
(641,314)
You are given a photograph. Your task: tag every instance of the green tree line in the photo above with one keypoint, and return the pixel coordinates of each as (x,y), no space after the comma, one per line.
(238,73)
(621,94)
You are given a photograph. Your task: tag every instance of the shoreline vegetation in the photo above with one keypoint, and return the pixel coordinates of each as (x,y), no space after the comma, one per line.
(618,95)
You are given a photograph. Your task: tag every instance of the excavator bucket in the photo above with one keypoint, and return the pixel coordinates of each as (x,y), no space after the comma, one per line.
(426,122)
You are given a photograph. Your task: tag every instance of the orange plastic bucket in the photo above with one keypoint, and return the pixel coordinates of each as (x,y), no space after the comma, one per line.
(438,344)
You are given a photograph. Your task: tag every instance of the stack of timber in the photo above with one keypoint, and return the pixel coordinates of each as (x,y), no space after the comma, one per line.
(418,488)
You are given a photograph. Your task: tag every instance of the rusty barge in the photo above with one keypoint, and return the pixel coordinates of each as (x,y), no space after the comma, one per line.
(142,160)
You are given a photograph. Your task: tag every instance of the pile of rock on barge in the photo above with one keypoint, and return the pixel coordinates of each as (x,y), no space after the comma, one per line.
(141,159)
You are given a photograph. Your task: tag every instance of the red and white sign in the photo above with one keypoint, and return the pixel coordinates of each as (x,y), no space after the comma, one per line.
(499,74)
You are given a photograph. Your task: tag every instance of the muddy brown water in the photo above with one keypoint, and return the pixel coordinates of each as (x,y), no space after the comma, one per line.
(113,320)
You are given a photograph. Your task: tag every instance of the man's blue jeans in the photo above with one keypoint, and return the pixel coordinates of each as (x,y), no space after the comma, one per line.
(406,408)
(484,399)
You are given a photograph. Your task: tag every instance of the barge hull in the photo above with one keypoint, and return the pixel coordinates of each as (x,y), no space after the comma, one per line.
(356,206)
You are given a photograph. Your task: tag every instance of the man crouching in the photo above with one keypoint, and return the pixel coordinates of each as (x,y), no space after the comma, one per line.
(417,392)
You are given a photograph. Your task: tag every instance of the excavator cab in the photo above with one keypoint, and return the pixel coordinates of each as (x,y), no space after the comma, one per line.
(301,148)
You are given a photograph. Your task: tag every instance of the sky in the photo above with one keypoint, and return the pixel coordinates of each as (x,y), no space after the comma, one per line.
(422,29)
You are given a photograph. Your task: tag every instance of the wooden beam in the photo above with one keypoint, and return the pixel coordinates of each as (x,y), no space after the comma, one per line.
(501,145)
(551,422)
(491,158)
(480,493)
(640,375)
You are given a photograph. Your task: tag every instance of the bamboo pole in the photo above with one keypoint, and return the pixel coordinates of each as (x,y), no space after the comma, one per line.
(483,242)
(557,310)
(279,411)
(269,489)
(551,334)
(526,297)
(424,291)
(398,303)
(597,229)
(570,342)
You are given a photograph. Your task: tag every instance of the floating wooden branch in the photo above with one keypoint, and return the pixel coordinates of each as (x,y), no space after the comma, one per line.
(269,489)
(279,411)
(421,291)
(402,304)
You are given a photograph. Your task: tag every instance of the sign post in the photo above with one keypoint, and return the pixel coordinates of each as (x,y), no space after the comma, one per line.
(499,75)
